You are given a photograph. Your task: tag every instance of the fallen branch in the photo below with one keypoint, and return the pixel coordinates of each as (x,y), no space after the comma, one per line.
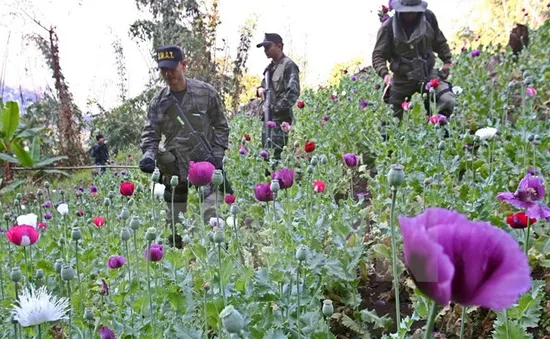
(69,167)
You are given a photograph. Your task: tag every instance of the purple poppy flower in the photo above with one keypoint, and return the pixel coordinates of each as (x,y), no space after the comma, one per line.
(47,204)
(157,252)
(285,177)
(263,192)
(81,189)
(353,78)
(350,159)
(364,103)
(271,124)
(104,288)
(116,261)
(469,262)
(475,53)
(106,333)
(264,154)
(200,173)
(326,117)
(47,216)
(377,86)
(93,189)
(528,195)
(242,150)
(123,172)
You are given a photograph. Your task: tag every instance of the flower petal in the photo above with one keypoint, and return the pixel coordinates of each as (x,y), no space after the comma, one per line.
(511,199)
(538,211)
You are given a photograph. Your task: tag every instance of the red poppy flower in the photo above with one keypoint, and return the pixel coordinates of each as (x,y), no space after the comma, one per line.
(519,220)
(22,235)
(319,186)
(99,221)
(300,104)
(247,137)
(127,188)
(310,146)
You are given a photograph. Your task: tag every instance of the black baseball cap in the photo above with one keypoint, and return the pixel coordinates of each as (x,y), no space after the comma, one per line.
(169,56)
(270,38)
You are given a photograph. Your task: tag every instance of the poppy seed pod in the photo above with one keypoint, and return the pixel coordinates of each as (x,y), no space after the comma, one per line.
(46,184)
(57,265)
(314,160)
(155,177)
(186,240)
(19,196)
(174,181)
(125,234)
(530,137)
(39,273)
(130,202)
(89,314)
(124,214)
(67,273)
(76,234)
(310,169)
(219,236)
(232,320)
(16,274)
(328,308)
(274,187)
(151,234)
(107,202)
(396,176)
(323,159)
(7,216)
(217,177)
(234,209)
(111,194)
(441,145)
(301,253)
(40,192)
(134,223)
(16,202)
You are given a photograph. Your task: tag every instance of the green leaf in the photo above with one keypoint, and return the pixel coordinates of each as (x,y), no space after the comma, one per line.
(12,185)
(334,268)
(23,156)
(49,161)
(8,158)
(35,149)
(275,335)
(516,332)
(10,118)
(372,317)
(351,324)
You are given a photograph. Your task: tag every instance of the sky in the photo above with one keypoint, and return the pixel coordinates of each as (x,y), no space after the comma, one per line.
(324,34)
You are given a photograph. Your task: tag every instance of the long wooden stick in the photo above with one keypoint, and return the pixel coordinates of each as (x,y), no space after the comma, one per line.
(69,168)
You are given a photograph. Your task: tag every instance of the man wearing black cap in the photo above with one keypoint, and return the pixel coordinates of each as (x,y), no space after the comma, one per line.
(189,114)
(284,88)
(408,41)
(100,152)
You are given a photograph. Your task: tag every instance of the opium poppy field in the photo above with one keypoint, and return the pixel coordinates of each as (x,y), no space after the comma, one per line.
(439,230)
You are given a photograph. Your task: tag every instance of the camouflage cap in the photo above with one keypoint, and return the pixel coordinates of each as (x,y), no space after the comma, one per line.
(270,38)
(169,56)
(409,5)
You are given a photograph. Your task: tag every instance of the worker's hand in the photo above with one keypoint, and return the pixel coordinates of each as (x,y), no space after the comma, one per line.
(261,92)
(446,70)
(147,165)
(387,80)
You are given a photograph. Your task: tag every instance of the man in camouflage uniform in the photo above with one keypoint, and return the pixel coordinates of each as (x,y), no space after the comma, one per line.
(408,41)
(284,92)
(200,104)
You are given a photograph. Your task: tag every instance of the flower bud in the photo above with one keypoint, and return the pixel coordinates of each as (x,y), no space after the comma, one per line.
(234,209)
(13,318)
(16,202)
(76,234)
(174,181)
(111,194)
(275,186)
(309,169)
(537,137)
(441,145)
(530,137)
(124,214)
(155,177)
(232,320)
(328,308)
(78,194)
(314,160)
(89,314)
(219,236)
(130,202)
(7,216)
(40,192)
(57,266)
(217,178)
(186,240)
(39,273)
(134,223)
(19,196)
(67,273)
(151,234)
(396,176)
(323,159)
(16,274)
(301,253)
(125,234)
(46,184)
(107,202)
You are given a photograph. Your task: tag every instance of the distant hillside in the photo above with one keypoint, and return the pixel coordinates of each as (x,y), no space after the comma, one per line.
(23,96)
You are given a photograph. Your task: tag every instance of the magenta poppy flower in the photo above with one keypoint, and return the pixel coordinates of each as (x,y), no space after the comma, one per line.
(116,261)
(264,154)
(229,199)
(469,262)
(200,173)
(263,192)
(285,177)
(350,159)
(531,91)
(528,195)
(106,333)
(157,252)
(22,235)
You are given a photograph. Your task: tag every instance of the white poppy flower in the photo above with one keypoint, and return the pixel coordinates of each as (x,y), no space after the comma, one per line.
(27,219)
(36,307)
(230,221)
(486,133)
(158,190)
(457,90)
(63,209)
(214,222)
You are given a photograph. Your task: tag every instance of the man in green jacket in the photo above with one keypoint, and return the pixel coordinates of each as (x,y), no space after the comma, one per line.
(408,41)
(285,91)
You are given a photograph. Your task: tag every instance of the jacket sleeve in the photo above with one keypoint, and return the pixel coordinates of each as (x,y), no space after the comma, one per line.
(219,125)
(151,135)
(440,45)
(291,78)
(381,54)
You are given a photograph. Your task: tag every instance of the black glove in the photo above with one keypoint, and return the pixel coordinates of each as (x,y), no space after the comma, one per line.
(218,163)
(147,165)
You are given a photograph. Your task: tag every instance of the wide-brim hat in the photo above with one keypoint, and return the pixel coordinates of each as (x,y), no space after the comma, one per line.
(409,5)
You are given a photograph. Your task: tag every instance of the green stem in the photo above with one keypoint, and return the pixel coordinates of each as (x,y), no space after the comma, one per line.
(430,321)
(462,322)
(201,209)
(28,267)
(205,315)
(70,308)
(507,324)
(394,257)
(298,294)
(527,237)
(173,222)
(149,289)
(78,275)
(130,282)
(239,247)
(39,332)
(220,273)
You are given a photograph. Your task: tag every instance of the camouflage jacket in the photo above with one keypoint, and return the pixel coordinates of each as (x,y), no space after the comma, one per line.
(392,44)
(285,88)
(202,106)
